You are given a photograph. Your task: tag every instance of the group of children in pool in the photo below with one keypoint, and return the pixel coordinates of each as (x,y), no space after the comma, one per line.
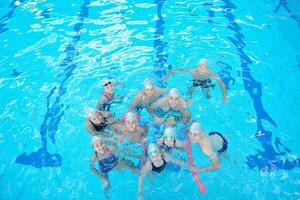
(167,109)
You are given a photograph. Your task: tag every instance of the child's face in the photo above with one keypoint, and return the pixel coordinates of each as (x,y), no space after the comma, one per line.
(131,125)
(169,142)
(202,66)
(173,101)
(109,88)
(192,136)
(99,146)
(149,91)
(155,156)
(96,118)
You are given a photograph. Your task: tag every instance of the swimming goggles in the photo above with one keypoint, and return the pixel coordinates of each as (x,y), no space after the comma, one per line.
(108,83)
(153,153)
(169,137)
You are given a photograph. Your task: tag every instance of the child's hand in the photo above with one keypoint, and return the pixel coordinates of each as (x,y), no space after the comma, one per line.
(105,184)
(170,122)
(158,120)
(194,168)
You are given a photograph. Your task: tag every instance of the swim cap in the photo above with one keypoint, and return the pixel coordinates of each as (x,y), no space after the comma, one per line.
(203,61)
(169,132)
(148,83)
(95,138)
(152,149)
(131,116)
(90,112)
(105,81)
(174,93)
(195,128)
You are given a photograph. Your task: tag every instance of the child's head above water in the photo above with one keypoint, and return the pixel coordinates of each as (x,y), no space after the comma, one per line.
(174,96)
(98,144)
(107,85)
(169,136)
(195,129)
(148,87)
(203,63)
(131,120)
(153,152)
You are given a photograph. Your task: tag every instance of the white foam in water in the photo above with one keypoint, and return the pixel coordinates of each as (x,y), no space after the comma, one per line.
(17,3)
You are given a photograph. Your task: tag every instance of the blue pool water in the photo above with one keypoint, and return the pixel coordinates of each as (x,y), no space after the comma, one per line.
(54,54)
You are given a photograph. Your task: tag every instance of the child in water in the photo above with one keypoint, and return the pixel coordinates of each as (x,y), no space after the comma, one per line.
(169,142)
(211,145)
(108,97)
(202,78)
(172,104)
(156,163)
(107,158)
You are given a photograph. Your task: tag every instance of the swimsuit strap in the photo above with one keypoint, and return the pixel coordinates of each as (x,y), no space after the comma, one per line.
(174,145)
(96,155)
(108,97)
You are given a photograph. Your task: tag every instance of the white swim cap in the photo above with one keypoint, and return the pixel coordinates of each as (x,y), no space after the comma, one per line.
(95,138)
(169,132)
(152,149)
(203,61)
(196,128)
(130,116)
(105,81)
(148,83)
(174,93)
(90,112)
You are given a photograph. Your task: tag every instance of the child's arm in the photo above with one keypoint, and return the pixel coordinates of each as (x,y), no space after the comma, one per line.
(221,83)
(145,170)
(207,149)
(134,102)
(181,144)
(95,171)
(101,102)
(176,161)
(90,129)
(176,70)
(125,152)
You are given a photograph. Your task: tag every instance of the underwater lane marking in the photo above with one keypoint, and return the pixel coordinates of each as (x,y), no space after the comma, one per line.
(4,19)
(267,159)
(160,66)
(42,158)
(225,74)
(284,3)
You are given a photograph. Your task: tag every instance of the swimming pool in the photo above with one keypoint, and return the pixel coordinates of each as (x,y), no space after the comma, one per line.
(54,55)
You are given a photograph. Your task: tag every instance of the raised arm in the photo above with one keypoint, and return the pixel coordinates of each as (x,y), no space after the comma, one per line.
(134,102)
(176,70)
(222,85)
